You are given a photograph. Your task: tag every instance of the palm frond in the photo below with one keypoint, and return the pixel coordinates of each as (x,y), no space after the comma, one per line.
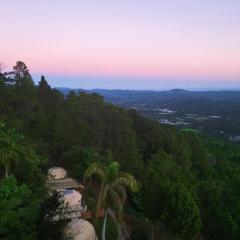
(127,180)
(121,191)
(13,156)
(112,170)
(105,195)
(115,203)
(95,169)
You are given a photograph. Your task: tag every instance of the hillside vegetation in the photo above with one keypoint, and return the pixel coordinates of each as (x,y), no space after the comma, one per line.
(213,112)
(189,183)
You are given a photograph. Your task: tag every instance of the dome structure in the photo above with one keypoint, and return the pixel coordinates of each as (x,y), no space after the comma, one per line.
(57,173)
(72,197)
(80,229)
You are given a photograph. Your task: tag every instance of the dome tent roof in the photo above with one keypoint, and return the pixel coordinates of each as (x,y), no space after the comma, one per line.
(72,197)
(57,173)
(80,229)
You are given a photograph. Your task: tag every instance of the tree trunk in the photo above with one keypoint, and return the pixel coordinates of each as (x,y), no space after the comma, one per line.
(119,227)
(100,197)
(104,225)
(6,171)
(152,231)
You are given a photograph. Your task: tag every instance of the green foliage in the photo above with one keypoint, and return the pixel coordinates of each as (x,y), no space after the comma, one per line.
(134,205)
(143,229)
(78,160)
(25,206)
(219,218)
(19,211)
(181,215)
(168,199)
(10,148)
(139,233)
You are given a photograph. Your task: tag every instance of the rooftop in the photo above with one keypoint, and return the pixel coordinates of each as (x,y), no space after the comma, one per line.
(66,183)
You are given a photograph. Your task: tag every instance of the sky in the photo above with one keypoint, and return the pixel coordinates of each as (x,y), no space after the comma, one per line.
(124,44)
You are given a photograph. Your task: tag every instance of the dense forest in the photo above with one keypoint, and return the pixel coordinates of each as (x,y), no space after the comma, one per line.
(188,182)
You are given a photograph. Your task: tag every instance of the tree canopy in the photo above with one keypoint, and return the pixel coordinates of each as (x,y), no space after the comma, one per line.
(188,182)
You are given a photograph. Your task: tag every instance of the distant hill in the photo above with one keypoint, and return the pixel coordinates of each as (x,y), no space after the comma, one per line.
(214,112)
(134,95)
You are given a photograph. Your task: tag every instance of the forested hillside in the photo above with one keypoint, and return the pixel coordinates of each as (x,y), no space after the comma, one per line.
(213,112)
(189,183)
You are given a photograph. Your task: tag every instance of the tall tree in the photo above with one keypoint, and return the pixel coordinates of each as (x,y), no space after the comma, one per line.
(2,77)
(22,75)
(45,93)
(113,184)
(9,147)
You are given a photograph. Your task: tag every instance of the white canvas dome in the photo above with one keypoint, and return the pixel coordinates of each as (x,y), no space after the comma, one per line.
(72,197)
(57,173)
(80,229)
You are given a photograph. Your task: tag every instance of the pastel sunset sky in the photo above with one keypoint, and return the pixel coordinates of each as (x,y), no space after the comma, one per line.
(127,44)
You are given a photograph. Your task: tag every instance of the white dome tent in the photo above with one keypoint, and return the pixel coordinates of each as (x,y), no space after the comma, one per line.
(73,205)
(80,229)
(57,173)
(72,197)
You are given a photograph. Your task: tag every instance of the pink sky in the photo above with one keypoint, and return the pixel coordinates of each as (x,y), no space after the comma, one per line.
(181,40)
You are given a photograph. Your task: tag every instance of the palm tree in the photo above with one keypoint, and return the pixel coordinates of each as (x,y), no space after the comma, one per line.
(9,147)
(113,186)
